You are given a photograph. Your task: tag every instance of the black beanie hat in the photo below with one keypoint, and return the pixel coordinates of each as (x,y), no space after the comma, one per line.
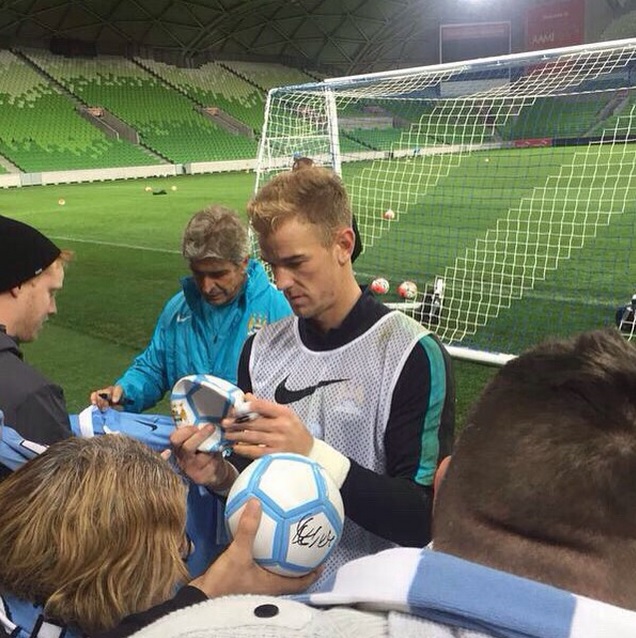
(24,253)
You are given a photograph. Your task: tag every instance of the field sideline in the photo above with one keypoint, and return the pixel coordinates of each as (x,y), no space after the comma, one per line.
(126,242)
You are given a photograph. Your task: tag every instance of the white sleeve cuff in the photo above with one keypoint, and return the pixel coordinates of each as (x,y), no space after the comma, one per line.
(336,464)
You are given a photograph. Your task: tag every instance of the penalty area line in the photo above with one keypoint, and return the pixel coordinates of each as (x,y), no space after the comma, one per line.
(113,244)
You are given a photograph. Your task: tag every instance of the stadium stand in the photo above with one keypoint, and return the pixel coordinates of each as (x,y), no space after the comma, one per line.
(560,120)
(410,130)
(166,120)
(239,88)
(215,86)
(42,131)
(266,76)
(377,139)
(170,112)
(616,108)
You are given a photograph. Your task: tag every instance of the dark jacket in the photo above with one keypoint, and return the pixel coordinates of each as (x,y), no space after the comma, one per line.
(32,405)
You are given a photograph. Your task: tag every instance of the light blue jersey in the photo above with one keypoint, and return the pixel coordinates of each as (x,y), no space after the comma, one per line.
(15,450)
(205,524)
(21,619)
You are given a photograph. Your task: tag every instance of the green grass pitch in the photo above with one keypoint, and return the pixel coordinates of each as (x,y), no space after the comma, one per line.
(566,220)
(127,264)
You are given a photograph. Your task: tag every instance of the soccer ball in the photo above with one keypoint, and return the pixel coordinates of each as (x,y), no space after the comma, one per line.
(380,286)
(148,189)
(61,201)
(302,512)
(389,214)
(199,399)
(173,188)
(407,290)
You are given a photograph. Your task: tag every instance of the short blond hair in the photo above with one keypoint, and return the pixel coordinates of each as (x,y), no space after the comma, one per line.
(313,194)
(92,529)
(66,256)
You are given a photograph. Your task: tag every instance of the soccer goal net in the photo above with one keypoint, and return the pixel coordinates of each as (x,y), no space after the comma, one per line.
(503,188)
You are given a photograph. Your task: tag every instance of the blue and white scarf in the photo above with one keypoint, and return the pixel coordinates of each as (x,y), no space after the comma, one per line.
(452,591)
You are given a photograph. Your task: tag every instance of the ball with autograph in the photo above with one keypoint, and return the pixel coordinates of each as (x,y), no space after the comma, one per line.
(302,512)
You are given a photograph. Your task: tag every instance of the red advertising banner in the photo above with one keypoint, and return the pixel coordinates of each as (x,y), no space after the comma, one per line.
(555,24)
(533,142)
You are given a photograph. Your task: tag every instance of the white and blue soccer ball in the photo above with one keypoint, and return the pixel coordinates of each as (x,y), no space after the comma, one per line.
(203,398)
(302,512)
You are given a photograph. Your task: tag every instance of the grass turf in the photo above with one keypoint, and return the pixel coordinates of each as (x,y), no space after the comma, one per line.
(531,242)
(127,264)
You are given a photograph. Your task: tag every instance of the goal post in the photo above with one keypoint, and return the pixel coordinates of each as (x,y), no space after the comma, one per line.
(504,188)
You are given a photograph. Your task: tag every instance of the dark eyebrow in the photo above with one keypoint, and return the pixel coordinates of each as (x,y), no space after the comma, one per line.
(210,273)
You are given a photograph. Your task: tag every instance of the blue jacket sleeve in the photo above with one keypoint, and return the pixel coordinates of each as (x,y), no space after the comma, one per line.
(145,382)
(15,450)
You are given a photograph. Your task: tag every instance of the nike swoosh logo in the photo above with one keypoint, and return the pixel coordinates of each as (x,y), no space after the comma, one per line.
(284,395)
(181,319)
(152,426)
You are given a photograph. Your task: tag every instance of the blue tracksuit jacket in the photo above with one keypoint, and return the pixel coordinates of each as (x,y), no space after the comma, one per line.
(195,337)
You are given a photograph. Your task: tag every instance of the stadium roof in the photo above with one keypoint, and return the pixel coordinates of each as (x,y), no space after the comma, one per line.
(348,35)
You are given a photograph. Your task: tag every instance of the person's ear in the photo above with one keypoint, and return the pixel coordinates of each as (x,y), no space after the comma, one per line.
(440,473)
(345,241)
(15,291)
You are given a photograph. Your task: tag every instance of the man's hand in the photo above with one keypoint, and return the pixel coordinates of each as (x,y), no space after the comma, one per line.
(276,428)
(235,572)
(204,468)
(113,395)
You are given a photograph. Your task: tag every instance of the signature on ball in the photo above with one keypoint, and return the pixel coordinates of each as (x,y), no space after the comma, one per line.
(308,534)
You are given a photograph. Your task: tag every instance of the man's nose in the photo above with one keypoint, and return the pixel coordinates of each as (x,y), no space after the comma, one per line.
(281,277)
(207,285)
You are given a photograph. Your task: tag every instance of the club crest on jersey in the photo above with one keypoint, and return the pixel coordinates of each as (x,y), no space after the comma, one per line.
(179,413)
(255,323)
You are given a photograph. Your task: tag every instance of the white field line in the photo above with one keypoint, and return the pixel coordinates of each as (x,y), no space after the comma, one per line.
(401,305)
(114,244)
(587,301)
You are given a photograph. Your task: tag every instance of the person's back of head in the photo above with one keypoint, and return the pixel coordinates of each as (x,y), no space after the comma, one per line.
(541,483)
(308,193)
(215,232)
(93,530)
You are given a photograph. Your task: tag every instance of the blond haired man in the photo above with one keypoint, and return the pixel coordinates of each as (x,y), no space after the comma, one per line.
(31,274)
(366,391)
